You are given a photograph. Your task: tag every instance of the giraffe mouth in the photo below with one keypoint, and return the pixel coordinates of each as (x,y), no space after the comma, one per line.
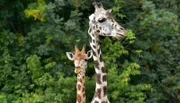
(119,37)
(77,70)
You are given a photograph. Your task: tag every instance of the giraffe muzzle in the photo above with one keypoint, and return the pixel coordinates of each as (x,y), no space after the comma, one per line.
(120,37)
(77,70)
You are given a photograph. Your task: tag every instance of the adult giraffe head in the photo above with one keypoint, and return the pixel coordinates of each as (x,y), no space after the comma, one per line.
(102,23)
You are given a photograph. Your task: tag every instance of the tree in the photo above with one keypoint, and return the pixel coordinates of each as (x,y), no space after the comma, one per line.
(156,26)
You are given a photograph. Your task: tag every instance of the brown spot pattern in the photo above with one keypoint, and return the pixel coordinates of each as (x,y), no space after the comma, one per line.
(90,39)
(101,58)
(105,90)
(78,99)
(83,89)
(98,31)
(96,63)
(104,77)
(102,69)
(94,46)
(94,53)
(98,93)
(93,34)
(90,30)
(79,87)
(96,102)
(98,78)
(81,80)
(84,94)
(115,26)
(99,51)
(104,102)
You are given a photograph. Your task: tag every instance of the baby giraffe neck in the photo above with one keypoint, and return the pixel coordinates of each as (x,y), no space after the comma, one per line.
(100,95)
(80,87)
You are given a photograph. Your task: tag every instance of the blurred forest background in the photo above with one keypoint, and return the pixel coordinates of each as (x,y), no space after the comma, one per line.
(36,34)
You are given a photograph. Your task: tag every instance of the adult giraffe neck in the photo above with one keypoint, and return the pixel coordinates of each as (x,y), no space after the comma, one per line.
(100,95)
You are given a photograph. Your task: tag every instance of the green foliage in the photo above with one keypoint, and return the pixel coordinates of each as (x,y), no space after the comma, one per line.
(156,23)
(50,90)
(36,10)
(33,67)
(34,64)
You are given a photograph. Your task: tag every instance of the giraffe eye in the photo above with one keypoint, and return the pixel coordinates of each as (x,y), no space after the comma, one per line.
(102,20)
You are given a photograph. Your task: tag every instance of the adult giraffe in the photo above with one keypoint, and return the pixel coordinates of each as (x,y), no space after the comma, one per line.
(101,24)
(80,61)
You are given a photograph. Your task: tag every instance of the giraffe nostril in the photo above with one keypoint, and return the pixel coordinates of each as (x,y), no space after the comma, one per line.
(122,28)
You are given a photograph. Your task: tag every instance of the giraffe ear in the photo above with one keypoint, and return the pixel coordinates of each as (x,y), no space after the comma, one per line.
(89,54)
(91,17)
(69,55)
(108,12)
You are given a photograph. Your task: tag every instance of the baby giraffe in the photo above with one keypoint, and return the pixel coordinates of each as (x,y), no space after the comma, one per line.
(80,61)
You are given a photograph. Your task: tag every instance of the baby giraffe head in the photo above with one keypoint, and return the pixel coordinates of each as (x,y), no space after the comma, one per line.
(80,59)
(102,23)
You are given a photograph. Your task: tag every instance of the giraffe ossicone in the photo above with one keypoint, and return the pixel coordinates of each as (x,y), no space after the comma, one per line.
(80,62)
(102,24)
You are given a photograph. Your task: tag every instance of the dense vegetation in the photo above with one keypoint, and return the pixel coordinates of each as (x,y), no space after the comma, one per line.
(35,34)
